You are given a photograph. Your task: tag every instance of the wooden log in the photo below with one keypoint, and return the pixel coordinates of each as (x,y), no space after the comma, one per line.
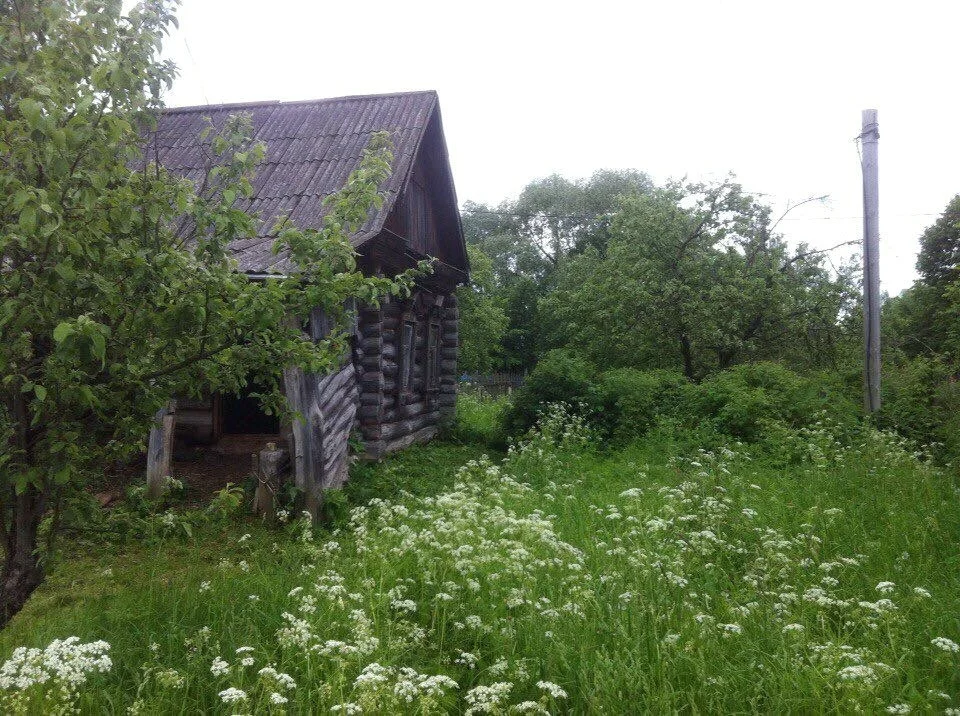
(407,426)
(370,399)
(371,345)
(411,409)
(271,463)
(160,448)
(378,448)
(307,434)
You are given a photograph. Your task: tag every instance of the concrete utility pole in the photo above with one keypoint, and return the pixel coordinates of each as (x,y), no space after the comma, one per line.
(869,136)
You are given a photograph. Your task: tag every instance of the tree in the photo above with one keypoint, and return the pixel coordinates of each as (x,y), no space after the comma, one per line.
(105,313)
(528,239)
(482,320)
(695,277)
(932,301)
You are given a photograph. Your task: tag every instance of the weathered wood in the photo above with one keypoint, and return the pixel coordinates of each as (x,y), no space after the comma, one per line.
(328,409)
(376,449)
(371,345)
(160,448)
(271,464)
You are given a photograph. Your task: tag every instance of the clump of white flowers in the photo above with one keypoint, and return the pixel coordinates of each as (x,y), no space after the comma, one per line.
(52,675)
(944,644)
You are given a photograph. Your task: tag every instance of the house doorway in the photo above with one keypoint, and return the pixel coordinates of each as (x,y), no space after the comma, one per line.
(242,414)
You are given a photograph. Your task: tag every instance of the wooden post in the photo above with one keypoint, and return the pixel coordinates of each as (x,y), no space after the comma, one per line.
(269,465)
(160,449)
(869,137)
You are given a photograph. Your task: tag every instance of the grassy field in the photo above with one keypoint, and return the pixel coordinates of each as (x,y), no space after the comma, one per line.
(558,578)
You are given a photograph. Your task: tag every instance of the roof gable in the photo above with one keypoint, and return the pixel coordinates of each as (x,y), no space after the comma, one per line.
(426,213)
(312,147)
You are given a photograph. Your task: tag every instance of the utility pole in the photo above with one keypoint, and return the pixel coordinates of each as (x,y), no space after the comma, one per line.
(869,135)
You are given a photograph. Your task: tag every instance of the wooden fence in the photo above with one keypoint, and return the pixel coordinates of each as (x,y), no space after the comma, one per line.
(496,383)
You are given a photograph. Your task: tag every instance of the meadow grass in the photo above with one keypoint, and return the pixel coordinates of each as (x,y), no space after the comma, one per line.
(557,578)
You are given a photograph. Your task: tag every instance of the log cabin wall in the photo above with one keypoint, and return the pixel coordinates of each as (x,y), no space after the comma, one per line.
(328,405)
(407,353)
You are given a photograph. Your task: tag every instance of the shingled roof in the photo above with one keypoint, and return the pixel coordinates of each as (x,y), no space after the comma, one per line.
(312,147)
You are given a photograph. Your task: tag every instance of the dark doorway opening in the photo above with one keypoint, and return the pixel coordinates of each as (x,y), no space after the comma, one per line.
(242,415)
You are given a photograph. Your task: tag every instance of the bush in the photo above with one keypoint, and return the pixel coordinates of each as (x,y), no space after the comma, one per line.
(560,376)
(745,401)
(921,401)
(754,402)
(632,401)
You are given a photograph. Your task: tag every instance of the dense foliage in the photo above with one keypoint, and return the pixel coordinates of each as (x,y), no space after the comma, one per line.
(682,277)
(753,403)
(105,311)
(921,343)
(483,321)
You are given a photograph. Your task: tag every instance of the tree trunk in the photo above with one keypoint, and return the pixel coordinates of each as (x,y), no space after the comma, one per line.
(687,357)
(22,572)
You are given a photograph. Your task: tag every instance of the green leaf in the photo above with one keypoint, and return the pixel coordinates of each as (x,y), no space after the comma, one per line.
(40,392)
(65,271)
(63,330)
(99,350)
(31,111)
(20,199)
(62,476)
(28,219)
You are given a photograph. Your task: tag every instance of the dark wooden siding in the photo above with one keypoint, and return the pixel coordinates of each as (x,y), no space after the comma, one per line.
(408,383)
(422,215)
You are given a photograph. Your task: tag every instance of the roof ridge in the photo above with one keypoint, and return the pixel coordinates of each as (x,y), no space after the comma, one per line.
(287,103)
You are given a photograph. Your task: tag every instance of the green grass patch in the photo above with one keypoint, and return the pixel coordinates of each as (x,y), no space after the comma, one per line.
(558,578)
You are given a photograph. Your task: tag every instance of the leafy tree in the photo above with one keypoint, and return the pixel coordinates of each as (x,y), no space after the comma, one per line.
(939,259)
(696,278)
(105,313)
(931,303)
(482,320)
(529,238)
(559,217)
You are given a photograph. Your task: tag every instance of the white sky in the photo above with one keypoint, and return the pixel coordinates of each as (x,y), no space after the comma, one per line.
(770,90)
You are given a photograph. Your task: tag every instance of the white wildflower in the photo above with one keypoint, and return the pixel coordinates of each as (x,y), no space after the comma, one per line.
(232,695)
(948,645)
(552,689)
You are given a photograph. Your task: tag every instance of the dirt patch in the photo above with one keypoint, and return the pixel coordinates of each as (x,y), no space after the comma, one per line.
(203,470)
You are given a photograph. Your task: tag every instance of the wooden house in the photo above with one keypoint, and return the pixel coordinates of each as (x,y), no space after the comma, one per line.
(400,383)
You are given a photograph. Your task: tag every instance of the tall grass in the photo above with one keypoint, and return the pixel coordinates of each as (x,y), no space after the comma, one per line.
(560,579)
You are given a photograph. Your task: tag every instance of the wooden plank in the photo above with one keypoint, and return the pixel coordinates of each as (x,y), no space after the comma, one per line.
(160,448)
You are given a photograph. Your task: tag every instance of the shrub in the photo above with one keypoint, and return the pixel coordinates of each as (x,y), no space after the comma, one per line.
(561,376)
(746,400)
(632,401)
(921,401)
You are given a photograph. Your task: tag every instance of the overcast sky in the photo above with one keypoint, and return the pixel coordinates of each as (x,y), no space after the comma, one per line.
(769,90)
